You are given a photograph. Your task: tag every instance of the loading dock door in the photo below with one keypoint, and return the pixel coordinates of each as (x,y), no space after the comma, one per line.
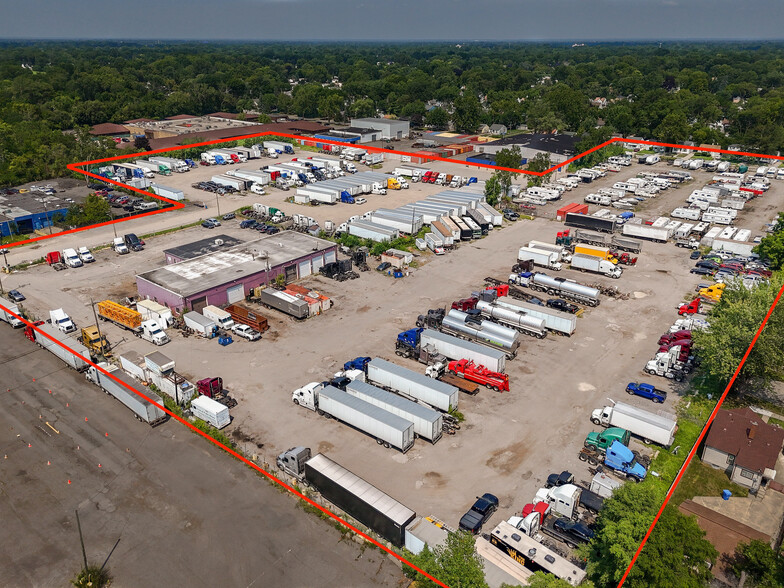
(318,263)
(291,273)
(235,293)
(329,257)
(197,304)
(304,268)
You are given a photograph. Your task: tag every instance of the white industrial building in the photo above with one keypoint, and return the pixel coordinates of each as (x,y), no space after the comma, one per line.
(387,128)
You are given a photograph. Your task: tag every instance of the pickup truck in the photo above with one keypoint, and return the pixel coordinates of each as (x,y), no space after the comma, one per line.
(646,391)
(482,510)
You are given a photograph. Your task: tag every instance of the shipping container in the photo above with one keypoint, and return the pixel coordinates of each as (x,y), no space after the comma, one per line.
(457,349)
(388,429)
(412,384)
(210,411)
(359,499)
(245,316)
(144,410)
(284,302)
(427,422)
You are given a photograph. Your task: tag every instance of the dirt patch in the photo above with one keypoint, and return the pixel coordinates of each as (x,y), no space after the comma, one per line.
(363,309)
(433,480)
(508,458)
(325,447)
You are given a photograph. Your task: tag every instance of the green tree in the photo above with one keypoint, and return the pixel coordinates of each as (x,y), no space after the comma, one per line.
(467,113)
(141,142)
(330,107)
(539,163)
(511,158)
(733,323)
(763,567)
(263,119)
(675,554)
(493,190)
(362,108)
(437,118)
(456,563)
(673,129)
(771,248)
(545,580)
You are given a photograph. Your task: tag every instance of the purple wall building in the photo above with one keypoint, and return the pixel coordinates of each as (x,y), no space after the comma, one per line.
(228,275)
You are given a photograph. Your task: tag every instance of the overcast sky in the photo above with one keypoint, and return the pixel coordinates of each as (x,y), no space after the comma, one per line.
(390,20)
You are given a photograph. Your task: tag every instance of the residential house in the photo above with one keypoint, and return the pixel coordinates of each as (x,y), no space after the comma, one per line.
(744,446)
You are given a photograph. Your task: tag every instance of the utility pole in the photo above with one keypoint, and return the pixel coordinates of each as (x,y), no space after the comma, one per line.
(98,326)
(217,202)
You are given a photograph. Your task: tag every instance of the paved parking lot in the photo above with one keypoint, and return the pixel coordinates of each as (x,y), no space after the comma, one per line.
(179,507)
(509,441)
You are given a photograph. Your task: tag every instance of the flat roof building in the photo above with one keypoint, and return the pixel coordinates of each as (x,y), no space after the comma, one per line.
(199,248)
(388,128)
(228,275)
(559,147)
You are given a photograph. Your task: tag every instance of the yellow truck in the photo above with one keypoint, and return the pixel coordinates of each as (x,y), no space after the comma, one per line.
(712,293)
(95,342)
(593,251)
(393,184)
(128,318)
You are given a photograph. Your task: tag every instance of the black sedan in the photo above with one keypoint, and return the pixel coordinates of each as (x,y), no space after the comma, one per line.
(708,264)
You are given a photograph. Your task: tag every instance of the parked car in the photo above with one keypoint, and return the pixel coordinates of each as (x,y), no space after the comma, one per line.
(248,223)
(702,271)
(208,224)
(15,296)
(215,221)
(555,480)
(562,305)
(646,391)
(360,200)
(246,332)
(228,216)
(707,264)
(477,516)
(384,266)
(579,531)
(694,254)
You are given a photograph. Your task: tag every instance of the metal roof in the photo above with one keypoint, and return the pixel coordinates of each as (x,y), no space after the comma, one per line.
(202,247)
(363,490)
(413,376)
(226,266)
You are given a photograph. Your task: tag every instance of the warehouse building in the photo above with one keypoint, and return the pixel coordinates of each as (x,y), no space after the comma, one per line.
(25,213)
(558,147)
(388,128)
(228,275)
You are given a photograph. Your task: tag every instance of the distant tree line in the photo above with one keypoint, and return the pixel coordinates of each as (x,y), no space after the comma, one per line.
(672,93)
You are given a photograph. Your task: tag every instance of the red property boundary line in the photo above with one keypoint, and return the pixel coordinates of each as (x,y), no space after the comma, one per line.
(76,167)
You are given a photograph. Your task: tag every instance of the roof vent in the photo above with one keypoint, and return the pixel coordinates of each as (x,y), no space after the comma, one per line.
(532,552)
(752,431)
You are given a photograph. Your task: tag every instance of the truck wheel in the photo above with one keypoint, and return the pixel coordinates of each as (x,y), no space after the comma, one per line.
(495,388)
(296,402)
(635,479)
(379,441)
(386,445)
(679,377)
(592,461)
(630,392)
(596,421)
(647,441)
(398,354)
(320,412)
(650,372)
(488,386)
(591,447)
(582,457)
(657,400)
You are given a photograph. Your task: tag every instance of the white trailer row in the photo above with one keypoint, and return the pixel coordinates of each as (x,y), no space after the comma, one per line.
(412,385)
(129,392)
(455,348)
(78,356)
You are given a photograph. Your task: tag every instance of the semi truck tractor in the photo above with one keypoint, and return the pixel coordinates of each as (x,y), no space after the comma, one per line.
(618,458)
(7,317)
(469,370)
(568,500)
(59,319)
(129,319)
(388,429)
(650,427)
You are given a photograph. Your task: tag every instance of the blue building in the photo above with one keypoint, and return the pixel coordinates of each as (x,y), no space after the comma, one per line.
(21,214)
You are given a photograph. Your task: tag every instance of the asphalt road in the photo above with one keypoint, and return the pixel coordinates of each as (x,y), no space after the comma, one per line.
(185,514)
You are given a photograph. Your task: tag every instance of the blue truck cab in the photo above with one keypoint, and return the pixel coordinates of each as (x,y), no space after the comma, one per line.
(219,160)
(409,339)
(358,363)
(346,197)
(646,391)
(621,459)
(190,163)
